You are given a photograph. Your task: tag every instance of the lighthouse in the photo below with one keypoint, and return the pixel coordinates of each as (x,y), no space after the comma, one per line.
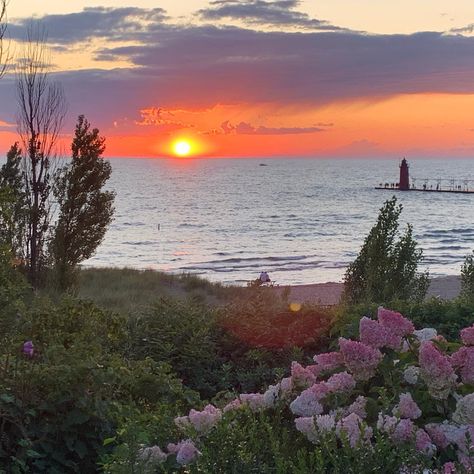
(404,183)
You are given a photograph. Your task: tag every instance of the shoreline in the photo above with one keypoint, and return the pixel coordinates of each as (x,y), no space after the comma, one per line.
(329,294)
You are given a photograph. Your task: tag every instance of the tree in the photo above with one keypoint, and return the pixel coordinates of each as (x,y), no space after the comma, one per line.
(13,204)
(386,268)
(42,108)
(85,209)
(467,278)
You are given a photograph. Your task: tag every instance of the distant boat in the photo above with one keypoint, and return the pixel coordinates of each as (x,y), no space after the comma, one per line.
(263,164)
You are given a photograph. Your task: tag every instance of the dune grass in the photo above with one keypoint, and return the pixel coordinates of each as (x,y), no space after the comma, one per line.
(127,290)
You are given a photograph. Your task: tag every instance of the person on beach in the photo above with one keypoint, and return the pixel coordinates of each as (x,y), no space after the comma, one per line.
(264,278)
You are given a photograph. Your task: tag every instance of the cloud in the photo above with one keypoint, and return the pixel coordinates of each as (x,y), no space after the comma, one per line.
(115,24)
(161,119)
(261,12)
(244,128)
(469,29)
(197,67)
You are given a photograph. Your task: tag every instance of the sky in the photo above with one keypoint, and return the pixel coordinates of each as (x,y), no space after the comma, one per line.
(327,78)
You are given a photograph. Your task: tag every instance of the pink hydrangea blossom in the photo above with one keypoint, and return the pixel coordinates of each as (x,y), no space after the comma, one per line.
(187,453)
(375,335)
(404,431)
(358,407)
(255,401)
(203,421)
(341,382)
(360,359)
(463,360)
(467,336)
(423,443)
(232,405)
(436,371)
(437,435)
(395,322)
(329,360)
(407,407)
(301,376)
(182,422)
(353,427)
(308,403)
(307,426)
(387,423)
(286,386)
(449,468)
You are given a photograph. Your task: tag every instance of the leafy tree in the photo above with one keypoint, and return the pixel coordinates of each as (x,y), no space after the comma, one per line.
(85,209)
(386,268)
(13,204)
(467,278)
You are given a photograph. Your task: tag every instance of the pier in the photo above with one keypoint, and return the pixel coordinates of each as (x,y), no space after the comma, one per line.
(432,185)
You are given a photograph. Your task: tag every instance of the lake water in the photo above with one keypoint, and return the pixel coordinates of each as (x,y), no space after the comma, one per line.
(301,220)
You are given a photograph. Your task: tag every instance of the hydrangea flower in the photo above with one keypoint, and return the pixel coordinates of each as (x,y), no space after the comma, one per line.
(255,401)
(373,334)
(358,407)
(271,396)
(307,426)
(300,376)
(463,360)
(436,371)
(437,435)
(28,348)
(152,455)
(464,414)
(423,443)
(308,403)
(360,359)
(467,336)
(187,453)
(329,360)
(426,334)
(395,322)
(353,427)
(407,407)
(232,405)
(411,374)
(341,382)
(325,423)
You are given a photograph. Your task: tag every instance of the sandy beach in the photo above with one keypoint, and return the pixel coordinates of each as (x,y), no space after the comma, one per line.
(446,287)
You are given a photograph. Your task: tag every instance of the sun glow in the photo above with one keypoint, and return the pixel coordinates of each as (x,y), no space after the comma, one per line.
(182,148)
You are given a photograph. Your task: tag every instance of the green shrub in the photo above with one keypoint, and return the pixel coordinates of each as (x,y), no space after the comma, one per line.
(386,268)
(467,279)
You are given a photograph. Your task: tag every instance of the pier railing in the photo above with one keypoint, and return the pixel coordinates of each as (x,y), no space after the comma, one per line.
(444,185)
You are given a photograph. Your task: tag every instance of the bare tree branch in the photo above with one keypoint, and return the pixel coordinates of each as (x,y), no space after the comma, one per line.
(3,28)
(42,109)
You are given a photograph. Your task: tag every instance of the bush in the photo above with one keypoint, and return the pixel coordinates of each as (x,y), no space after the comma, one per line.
(386,269)
(467,279)
(59,399)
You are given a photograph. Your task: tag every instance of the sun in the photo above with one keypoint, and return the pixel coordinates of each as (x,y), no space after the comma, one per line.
(182,148)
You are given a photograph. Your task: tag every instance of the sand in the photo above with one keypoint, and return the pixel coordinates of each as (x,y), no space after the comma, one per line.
(446,287)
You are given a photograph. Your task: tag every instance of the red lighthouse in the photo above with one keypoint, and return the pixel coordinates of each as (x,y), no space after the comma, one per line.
(404,184)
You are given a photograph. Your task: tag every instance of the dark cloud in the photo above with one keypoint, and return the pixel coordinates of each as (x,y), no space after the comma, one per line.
(469,29)
(279,13)
(245,128)
(199,67)
(96,22)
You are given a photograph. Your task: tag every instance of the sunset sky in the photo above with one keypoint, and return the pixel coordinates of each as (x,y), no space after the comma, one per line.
(332,78)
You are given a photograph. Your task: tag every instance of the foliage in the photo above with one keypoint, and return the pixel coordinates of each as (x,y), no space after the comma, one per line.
(13,204)
(85,209)
(386,268)
(396,399)
(467,279)
(447,317)
(58,402)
